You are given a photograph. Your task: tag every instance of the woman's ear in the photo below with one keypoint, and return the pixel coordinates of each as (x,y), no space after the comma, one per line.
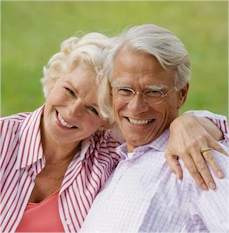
(182,96)
(104,125)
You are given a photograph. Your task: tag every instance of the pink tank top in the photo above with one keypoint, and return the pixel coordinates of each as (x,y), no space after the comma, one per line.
(42,217)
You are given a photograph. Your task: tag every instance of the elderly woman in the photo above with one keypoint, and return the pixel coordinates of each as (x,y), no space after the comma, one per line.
(55,159)
(52,167)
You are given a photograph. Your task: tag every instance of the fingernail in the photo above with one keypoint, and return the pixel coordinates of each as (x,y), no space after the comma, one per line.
(204,186)
(220,174)
(212,185)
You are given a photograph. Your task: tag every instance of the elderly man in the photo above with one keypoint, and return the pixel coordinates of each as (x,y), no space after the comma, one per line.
(149,83)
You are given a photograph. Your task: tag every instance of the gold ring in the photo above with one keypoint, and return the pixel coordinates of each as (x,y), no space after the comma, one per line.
(204,150)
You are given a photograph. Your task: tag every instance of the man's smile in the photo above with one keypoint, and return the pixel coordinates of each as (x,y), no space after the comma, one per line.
(139,122)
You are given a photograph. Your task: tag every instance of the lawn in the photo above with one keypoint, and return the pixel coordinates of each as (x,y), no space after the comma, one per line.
(33,30)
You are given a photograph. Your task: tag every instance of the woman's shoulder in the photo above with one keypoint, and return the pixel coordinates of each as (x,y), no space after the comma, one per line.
(18,117)
(107,138)
(13,122)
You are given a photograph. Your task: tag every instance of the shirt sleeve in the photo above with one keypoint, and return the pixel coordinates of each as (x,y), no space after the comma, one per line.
(110,144)
(219,120)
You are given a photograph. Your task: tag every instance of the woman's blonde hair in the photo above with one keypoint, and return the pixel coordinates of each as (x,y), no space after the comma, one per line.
(89,50)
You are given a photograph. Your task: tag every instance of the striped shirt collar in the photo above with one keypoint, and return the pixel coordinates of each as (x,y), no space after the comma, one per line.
(30,148)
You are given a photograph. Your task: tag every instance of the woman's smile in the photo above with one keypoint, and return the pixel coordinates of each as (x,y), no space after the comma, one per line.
(61,122)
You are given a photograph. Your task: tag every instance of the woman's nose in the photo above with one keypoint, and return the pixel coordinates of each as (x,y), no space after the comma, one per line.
(75,108)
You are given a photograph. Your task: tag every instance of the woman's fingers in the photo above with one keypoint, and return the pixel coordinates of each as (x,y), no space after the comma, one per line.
(174,164)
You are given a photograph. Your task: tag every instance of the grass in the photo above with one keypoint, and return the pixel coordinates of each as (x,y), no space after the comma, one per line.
(33,30)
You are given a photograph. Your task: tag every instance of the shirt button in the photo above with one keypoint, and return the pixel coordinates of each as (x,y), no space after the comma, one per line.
(126,163)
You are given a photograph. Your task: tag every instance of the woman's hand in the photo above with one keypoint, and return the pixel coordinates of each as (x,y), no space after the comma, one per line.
(189,135)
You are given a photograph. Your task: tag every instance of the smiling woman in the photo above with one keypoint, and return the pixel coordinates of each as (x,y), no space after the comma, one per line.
(58,143)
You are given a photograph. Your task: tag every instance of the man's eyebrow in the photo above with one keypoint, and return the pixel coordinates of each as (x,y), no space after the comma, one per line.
(119,85)
(157,87)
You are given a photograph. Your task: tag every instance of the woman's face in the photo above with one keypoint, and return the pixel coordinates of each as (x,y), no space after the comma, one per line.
(71,109)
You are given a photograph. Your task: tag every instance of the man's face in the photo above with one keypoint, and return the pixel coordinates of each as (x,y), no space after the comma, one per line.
(143,119)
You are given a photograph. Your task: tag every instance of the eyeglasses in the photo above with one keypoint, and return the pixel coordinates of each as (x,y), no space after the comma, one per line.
(126,94)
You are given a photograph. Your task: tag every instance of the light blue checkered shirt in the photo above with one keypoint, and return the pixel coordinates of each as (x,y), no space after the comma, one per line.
(143,195)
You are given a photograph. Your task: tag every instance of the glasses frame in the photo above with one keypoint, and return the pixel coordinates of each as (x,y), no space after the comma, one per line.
(163,95)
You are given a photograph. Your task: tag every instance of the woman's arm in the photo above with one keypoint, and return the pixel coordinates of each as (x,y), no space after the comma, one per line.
(189,135)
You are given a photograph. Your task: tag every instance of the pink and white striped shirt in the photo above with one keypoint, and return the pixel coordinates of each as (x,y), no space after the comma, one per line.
(22,159)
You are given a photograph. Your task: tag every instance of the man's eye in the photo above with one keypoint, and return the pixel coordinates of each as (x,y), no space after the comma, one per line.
(93,110)
(70,91)
(153,93)
(125,91)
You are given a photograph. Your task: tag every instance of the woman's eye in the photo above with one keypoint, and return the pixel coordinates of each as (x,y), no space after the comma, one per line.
(70,91)
(93,110)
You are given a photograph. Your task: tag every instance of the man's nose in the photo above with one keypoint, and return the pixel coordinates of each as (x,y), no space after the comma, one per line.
(138,103)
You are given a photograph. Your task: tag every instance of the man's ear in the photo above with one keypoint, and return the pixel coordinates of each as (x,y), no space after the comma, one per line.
(182,96)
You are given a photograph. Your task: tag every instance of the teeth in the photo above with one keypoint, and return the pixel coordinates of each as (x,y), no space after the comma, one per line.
(63,122)
(136,122)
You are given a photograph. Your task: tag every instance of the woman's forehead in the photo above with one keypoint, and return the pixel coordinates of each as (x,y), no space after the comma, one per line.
(82,76)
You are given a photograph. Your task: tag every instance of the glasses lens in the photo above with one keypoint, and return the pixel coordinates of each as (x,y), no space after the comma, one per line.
(124,94)
(152,96)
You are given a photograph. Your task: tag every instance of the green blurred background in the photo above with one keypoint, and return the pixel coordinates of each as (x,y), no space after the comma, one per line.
(33,30)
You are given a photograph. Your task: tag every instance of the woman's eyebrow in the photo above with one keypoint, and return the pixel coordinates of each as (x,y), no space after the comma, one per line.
(71,84)
(93,104)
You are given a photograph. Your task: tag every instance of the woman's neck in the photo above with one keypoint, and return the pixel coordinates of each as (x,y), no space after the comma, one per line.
(60,154)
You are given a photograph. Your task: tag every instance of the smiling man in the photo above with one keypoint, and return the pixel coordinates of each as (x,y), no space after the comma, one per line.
(144,97)
(149,84)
